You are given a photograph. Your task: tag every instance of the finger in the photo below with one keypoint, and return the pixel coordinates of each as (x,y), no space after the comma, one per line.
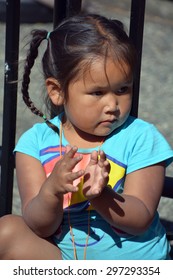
(75,175)
(72,177)
(70,151)
(70,159)
(67,149)
(102,156)
(69,164)
(107,166)
(105,174)
(71,188)
(93,158)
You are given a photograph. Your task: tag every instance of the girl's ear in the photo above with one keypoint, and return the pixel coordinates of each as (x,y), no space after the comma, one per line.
(54,91)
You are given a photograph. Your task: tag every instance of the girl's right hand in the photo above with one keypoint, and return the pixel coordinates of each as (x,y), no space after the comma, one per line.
(62,176)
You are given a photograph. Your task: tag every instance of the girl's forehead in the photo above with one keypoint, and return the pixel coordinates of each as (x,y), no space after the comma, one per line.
(102,69)
(101,73)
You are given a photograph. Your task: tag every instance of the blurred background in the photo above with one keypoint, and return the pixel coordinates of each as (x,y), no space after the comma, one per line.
(156,87)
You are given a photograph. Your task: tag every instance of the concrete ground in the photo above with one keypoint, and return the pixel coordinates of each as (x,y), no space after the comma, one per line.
(156,94)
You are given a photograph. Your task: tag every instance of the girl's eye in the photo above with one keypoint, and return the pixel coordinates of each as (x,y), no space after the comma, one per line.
(123,90)
(97,93)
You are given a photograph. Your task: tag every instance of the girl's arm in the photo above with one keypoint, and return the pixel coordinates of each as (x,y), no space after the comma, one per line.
(41,197)
(134,210)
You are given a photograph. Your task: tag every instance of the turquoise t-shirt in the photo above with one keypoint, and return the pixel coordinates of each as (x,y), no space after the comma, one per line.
(135,145)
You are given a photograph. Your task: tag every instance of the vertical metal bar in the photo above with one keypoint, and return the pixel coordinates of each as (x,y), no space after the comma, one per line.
(136,33)
(59,12)
(64,9)
(73,7)
(168,189)
(10,104)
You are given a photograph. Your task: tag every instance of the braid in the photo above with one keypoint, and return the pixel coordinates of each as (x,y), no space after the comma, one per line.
(37,37)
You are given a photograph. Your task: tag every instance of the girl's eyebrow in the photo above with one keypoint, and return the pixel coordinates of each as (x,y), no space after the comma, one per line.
(129,82)
(125,83)
(96,87)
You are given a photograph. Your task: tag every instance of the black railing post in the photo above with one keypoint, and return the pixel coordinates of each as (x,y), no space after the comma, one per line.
(64,9)
(59,11)
(73,7)
(168,187)
(136,34)
(10,104)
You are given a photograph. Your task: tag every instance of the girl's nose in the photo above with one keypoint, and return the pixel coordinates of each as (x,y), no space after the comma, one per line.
(111,104)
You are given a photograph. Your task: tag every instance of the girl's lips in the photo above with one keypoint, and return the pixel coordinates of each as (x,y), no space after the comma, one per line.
(109,121)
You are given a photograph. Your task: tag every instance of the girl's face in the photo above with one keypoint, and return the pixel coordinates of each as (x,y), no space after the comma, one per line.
(99,101)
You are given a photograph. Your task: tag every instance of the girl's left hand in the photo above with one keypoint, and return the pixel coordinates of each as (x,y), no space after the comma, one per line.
(96,175)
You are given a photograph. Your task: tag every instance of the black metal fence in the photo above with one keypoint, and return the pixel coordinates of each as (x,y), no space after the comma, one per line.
(61,9)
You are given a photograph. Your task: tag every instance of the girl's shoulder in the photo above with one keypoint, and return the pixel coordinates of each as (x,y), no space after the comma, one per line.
(41,129)
(35,139)
(133,123)
(133,128)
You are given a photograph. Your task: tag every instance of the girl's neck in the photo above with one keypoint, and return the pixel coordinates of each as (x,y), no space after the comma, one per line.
(81,139)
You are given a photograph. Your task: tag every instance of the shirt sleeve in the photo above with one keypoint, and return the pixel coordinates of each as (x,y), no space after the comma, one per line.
(28,143)
(150,148)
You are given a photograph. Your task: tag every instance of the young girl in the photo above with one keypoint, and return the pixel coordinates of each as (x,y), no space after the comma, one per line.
(91,178)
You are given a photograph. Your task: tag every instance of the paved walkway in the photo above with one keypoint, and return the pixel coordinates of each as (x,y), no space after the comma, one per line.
(156,96)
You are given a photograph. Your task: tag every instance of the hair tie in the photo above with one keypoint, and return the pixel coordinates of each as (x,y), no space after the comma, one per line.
(48,35)
(44,118)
